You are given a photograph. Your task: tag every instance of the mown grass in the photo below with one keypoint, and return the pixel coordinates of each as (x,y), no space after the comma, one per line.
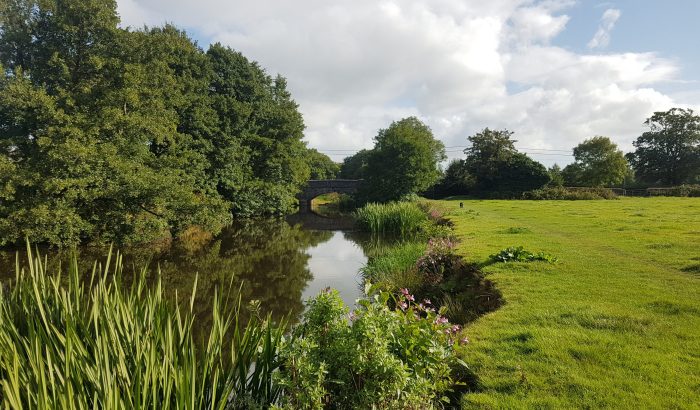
(615,323)
(403,218)
(68,343)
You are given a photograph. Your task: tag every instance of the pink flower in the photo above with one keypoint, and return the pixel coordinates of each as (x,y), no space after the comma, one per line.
(404,291)
(426,302)
(403,305)
(464,340)
(441,320)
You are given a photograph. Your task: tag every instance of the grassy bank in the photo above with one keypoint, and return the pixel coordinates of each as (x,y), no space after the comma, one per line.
(615,323)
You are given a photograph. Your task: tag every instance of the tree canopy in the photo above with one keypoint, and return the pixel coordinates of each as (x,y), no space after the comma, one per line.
(405,160)
(109,134)
(597,162)
(498,168)
(669,153)
(322,167)
(353,167)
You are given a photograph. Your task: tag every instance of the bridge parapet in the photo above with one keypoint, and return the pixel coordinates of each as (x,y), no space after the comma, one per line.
(316,187)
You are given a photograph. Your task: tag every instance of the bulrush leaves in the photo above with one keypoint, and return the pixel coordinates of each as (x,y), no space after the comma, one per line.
(67,342)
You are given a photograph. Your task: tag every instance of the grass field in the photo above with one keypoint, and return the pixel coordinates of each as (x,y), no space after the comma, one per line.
(615,323)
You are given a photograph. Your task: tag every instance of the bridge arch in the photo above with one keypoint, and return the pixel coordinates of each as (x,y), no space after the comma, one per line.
(316,187)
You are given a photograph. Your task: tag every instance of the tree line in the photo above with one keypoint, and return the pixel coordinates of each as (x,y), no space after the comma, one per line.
(112,134)
(668,154)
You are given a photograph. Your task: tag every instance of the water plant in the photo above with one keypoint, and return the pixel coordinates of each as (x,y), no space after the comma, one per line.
(83,341)
(394,217)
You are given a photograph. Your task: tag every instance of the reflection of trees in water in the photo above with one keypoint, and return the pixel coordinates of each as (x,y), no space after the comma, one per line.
(265,259)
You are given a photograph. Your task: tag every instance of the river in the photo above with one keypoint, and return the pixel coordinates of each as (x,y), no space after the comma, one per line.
(278,262)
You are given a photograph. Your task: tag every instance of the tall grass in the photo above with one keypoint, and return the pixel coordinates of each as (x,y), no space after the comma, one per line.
(394,217)
(82,341)
(396,267)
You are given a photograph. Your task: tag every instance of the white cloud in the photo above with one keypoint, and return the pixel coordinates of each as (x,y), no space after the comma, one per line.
(601,39)
(355,66)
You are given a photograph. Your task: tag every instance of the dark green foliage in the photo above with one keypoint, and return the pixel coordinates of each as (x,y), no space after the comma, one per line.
(669,153)
(492,168)
(456,180)
(404,161)
(556,178)
(518,254)
(353,167)
(108,134)
(598,163)
(322,167)
(561,193)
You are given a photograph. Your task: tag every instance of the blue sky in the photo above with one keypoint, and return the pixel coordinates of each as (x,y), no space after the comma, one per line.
(670,28)
(553,71)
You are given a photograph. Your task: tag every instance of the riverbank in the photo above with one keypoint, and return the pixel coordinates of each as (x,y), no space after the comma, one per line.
(615,323)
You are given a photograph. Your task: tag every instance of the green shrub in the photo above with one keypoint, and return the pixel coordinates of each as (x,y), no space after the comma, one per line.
(561,193)
(395,217)
(400,358)
(518,254)
(682,190)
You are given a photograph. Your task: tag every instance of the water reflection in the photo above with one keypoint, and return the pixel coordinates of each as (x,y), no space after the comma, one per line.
(336,263)
(280,263)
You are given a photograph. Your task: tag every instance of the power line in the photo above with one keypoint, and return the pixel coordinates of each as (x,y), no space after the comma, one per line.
(459,148)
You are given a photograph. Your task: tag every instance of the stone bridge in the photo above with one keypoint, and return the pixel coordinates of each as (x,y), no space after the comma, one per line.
(316,187)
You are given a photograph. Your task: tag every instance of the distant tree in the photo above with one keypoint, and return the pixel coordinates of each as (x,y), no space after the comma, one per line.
(498,167)
(488,151)
(556,178)
(669,153)
(597,162)
(456,180)
(322,167)
(517,174)
(404,160)
(353,167)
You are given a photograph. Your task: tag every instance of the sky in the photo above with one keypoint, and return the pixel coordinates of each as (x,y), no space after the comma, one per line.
(555,72)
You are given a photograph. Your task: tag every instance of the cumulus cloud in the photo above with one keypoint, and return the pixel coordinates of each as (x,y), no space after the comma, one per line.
(458,65)
(601,39)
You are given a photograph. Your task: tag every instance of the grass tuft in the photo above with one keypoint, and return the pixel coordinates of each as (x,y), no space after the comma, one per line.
(395,217)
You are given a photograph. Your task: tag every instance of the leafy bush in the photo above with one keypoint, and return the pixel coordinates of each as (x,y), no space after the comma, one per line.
(386,358)
(561,193)
(394,217)
(682,190)
(518,254)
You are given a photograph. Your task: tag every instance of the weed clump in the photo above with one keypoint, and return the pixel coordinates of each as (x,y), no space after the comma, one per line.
(518,254)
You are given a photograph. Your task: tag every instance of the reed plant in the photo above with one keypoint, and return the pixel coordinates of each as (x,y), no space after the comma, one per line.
(394,217)
(84,342)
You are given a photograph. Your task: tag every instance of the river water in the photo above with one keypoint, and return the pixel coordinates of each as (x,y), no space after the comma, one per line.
(278,262)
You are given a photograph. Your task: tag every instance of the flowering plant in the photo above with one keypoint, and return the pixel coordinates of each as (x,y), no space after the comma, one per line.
(390,352)
(439,257)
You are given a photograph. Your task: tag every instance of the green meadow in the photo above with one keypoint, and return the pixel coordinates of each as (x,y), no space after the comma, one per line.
(614,323)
